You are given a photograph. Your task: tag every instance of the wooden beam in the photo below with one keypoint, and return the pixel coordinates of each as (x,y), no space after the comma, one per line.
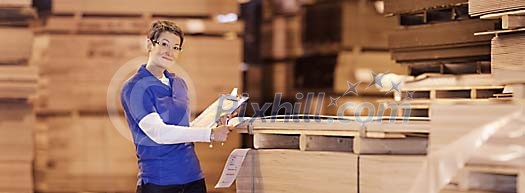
(409,146)
(326,143)
(512,21)
(275,141)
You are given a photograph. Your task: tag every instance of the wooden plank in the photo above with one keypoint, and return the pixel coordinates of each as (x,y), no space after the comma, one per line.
(406,6)
(275,141)
(85,153)
(463,52)
(481,7)
(16,176)
(17,44)
(512,21)
(327,143)
(135,25)
(394,174)
(507,58)
(316,172)
(432,34)
(16,131)
(15,3)
(405,146)
(338,127)
(21,17)
(492,182)
(427,81)
(180,7)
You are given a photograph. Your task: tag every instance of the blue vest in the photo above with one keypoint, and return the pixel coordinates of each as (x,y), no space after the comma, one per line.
(167,164)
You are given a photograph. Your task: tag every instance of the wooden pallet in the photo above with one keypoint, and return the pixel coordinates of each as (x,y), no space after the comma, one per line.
(408,6)
(457,68)
(510,19)
(431,44)
(437,15)
(445,87)
(452,93)
(374,138)
(136,24)
(489,179)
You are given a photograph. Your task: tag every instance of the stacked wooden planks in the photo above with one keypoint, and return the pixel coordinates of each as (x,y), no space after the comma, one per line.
(17,125)
(329,36)
(420,42)
(481,7)
(508,57)
(419,92)
(86,50)
(453,67)
(18,84)
(326,155)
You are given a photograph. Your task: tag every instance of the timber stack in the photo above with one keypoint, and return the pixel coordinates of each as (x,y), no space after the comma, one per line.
(18,84)
(345,41)
(327,155)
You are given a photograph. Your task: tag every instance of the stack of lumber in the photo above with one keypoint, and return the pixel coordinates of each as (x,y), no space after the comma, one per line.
(420,42)
(111,39)
(84,152)
(16,144)
(507,53)
(345,41)
(86,50)
(418,92)
(508,56)
(481,7)
(18,84)
(329,155)
(454,67)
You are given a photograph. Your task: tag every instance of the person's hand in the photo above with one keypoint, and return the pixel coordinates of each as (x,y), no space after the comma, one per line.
(220,133)
(224,117)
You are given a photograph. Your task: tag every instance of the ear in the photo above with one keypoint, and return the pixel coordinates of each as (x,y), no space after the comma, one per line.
(149,45)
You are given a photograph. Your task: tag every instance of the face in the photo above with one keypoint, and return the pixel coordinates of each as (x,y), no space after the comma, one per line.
(162,52)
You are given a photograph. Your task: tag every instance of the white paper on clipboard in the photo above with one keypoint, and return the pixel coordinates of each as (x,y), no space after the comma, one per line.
(224,104)
(232,167)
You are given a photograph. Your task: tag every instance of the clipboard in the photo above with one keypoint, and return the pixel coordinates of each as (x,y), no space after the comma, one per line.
(225,104)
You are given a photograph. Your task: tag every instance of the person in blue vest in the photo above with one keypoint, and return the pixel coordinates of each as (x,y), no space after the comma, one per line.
(156,105)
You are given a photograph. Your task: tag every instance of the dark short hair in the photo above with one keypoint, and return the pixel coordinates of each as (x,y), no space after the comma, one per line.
(160,26)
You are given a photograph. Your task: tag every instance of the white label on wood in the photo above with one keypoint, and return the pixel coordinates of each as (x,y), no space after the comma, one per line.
(232,167)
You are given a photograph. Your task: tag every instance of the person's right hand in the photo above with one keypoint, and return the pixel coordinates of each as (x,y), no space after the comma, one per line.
(220,133)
